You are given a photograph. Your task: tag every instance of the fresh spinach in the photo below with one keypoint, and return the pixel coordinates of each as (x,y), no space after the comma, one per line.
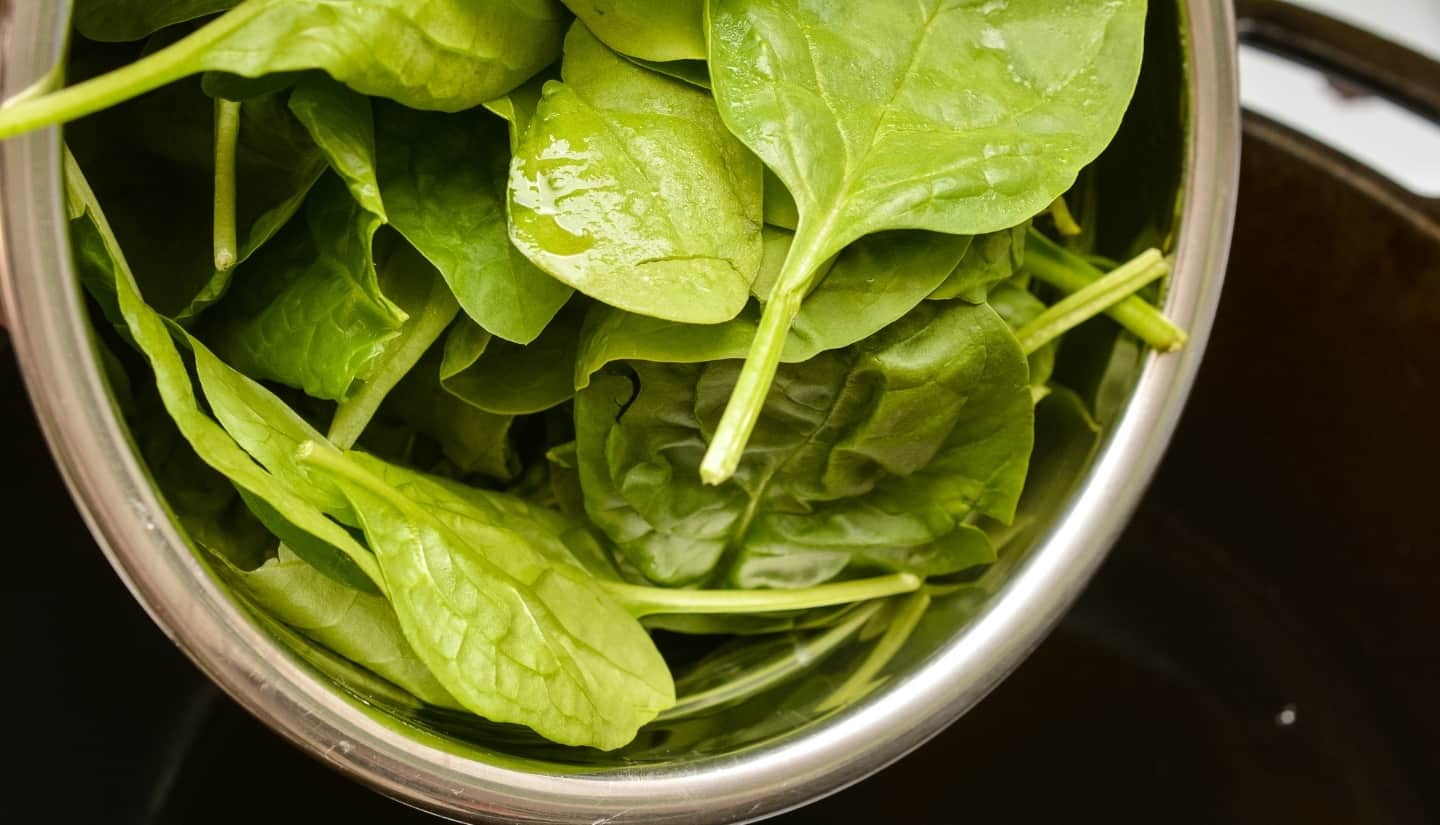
(443,178)
(343,126)
(117,20)
(1042,100)
(313,315)
(444,54)
(658,30)
(503,378)
(874,457)
(628,187)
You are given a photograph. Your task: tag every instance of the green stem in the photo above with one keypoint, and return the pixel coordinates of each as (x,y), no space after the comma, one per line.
(354,414)
(808,253)
(227,137)
(861,679)
(752,682)
(1065,222)
(181,59)
(1067,272)
(1092,299)
(648,601)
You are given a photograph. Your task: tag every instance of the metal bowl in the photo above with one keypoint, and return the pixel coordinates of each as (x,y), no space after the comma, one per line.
(1182,138)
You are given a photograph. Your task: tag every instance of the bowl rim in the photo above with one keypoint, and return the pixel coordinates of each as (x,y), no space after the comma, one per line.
(42,301)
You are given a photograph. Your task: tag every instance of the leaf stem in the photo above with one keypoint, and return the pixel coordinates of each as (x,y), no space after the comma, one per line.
(772,673)
(808,253)
(227,136)
(862,679)
(178,60)
(1065,222)
(648,601)
(1092,299)
(1068,272)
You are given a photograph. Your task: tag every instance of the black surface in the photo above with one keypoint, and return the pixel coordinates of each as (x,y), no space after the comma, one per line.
(1259,648)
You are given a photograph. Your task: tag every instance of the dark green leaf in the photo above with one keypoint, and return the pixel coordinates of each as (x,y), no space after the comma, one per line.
(874,456)
(509,379)
(342,125)
(117,20)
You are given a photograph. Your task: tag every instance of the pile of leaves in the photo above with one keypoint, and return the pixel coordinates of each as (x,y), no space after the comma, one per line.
(476,341)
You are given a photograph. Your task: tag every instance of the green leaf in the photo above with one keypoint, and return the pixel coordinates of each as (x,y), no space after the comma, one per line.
(971,118)
(628,187)
(871,457)
(518,108)
(343,126)
(312,315)
(359,626)
(167,140)
(118,20)
(512,635)
(152,334)
(658,30)
(443,178)
(871,285)
(992,258)
(509,379)
(445,55)
(1019,306)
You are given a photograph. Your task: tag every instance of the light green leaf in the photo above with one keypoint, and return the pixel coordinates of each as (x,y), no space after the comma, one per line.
(628,187)
(443,178)
(512,635)
(963,118)
(658,30)
(342,125)
(444,55)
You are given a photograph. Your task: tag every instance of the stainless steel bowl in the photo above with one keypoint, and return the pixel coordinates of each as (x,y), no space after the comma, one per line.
(746,765)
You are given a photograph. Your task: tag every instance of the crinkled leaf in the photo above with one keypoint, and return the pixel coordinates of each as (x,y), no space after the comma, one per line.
(443,178)
(312,314)
(628,187)
(874,456)
(512,635)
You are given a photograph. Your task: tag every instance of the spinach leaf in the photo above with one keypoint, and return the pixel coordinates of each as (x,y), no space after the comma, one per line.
(508,379)
(443,54)
(512,635)
(628,187)
(118,20)
(1043,87)
(1019,306)
(518,108)
(694,72)
(358,626)
(152,334)
(343,126)
(992,258)
(168,140)
(875,456)
(658,30)
(312,315)
(443,178)
(872,284)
